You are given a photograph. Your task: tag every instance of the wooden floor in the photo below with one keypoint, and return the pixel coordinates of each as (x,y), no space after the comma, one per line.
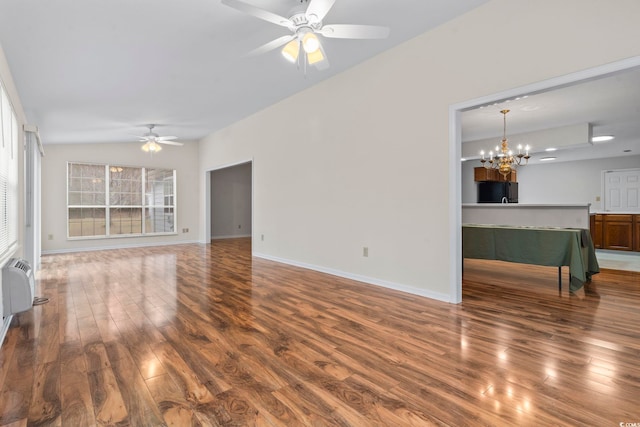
(206,335)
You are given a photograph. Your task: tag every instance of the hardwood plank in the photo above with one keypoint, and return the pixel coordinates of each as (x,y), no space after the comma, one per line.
(14,399)
(45,407)
(191,387)
(96,356)
(108,403)
(176,410)
(75,392)
(107,327)
(6,355)
(138,346)
(140,406)
(89,332)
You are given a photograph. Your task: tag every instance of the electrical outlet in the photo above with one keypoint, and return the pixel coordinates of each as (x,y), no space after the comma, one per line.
(185,230)
(597,198)
(262,237)
(365,251)
(50,236)
(239,226)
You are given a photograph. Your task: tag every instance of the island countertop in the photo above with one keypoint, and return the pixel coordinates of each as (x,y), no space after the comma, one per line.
(615,213)
(526,205)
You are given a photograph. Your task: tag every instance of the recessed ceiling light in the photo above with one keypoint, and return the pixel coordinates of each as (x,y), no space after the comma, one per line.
(550,149)
(530,108)
(546,159)
(602,138)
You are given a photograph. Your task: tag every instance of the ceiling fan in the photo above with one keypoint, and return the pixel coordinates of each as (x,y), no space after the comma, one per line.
(152,140)
(305,25)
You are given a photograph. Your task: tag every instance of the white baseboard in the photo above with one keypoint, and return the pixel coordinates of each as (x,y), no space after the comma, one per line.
(238,236)
(365,279)
(126,246)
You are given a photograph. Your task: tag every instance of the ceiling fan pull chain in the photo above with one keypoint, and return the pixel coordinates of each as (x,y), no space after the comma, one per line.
(306,62)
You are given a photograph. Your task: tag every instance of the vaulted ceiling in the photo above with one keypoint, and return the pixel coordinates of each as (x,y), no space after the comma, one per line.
(99,70)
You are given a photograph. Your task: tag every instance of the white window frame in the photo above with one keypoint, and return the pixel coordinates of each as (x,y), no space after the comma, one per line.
(144,206)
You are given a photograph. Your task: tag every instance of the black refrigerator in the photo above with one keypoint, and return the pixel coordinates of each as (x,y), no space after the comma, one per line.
(497,192)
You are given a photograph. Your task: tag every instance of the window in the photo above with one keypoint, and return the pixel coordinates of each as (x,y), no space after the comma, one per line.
(116,201)
(160,209)
(8,176)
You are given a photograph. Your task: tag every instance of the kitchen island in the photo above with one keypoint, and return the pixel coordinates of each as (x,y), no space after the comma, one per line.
(543,234)
(521,214)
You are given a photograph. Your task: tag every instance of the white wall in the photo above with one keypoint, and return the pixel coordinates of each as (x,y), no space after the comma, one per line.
(469,186)
(231,202)
(54,187)
(569,182)
(364,163)
(565,182)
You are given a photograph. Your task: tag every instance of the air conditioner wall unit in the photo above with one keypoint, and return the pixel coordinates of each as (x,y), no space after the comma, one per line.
(18,286)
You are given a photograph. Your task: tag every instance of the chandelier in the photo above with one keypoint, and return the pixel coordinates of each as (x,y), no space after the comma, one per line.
(503,159)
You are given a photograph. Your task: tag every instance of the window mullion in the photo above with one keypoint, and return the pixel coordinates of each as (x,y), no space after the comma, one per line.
(107,201)
(144,202)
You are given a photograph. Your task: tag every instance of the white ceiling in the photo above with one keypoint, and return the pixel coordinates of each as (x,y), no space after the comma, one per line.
(611,104)
(99,70)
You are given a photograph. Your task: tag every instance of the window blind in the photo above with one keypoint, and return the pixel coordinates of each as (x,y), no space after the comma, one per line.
(8,176)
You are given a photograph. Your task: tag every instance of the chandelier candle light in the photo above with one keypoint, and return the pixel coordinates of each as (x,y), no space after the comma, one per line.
(504,160)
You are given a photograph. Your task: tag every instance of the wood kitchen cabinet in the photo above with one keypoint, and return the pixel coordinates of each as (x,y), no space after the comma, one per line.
(615,231)
(596,226)
(618,232)
(482,174)
(636,233)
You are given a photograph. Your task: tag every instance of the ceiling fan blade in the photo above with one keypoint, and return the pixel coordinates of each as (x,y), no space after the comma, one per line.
(170,143)
(165,138)
(273,44)
(258,13)
(348,31)
(318,9)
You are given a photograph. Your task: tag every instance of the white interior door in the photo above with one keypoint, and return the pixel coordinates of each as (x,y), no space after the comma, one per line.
(622,190)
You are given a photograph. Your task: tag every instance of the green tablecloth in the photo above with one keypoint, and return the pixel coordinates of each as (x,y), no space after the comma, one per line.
(557,247)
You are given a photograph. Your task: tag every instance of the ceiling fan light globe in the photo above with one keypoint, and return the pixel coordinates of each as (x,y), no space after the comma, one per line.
(315,57)
(310,42)
(291,50)
(151,147)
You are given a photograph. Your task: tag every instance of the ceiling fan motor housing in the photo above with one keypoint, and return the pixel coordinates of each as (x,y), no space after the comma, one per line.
(301,20)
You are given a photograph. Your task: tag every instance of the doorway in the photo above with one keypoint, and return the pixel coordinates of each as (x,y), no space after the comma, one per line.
(231,202)
(455,144)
